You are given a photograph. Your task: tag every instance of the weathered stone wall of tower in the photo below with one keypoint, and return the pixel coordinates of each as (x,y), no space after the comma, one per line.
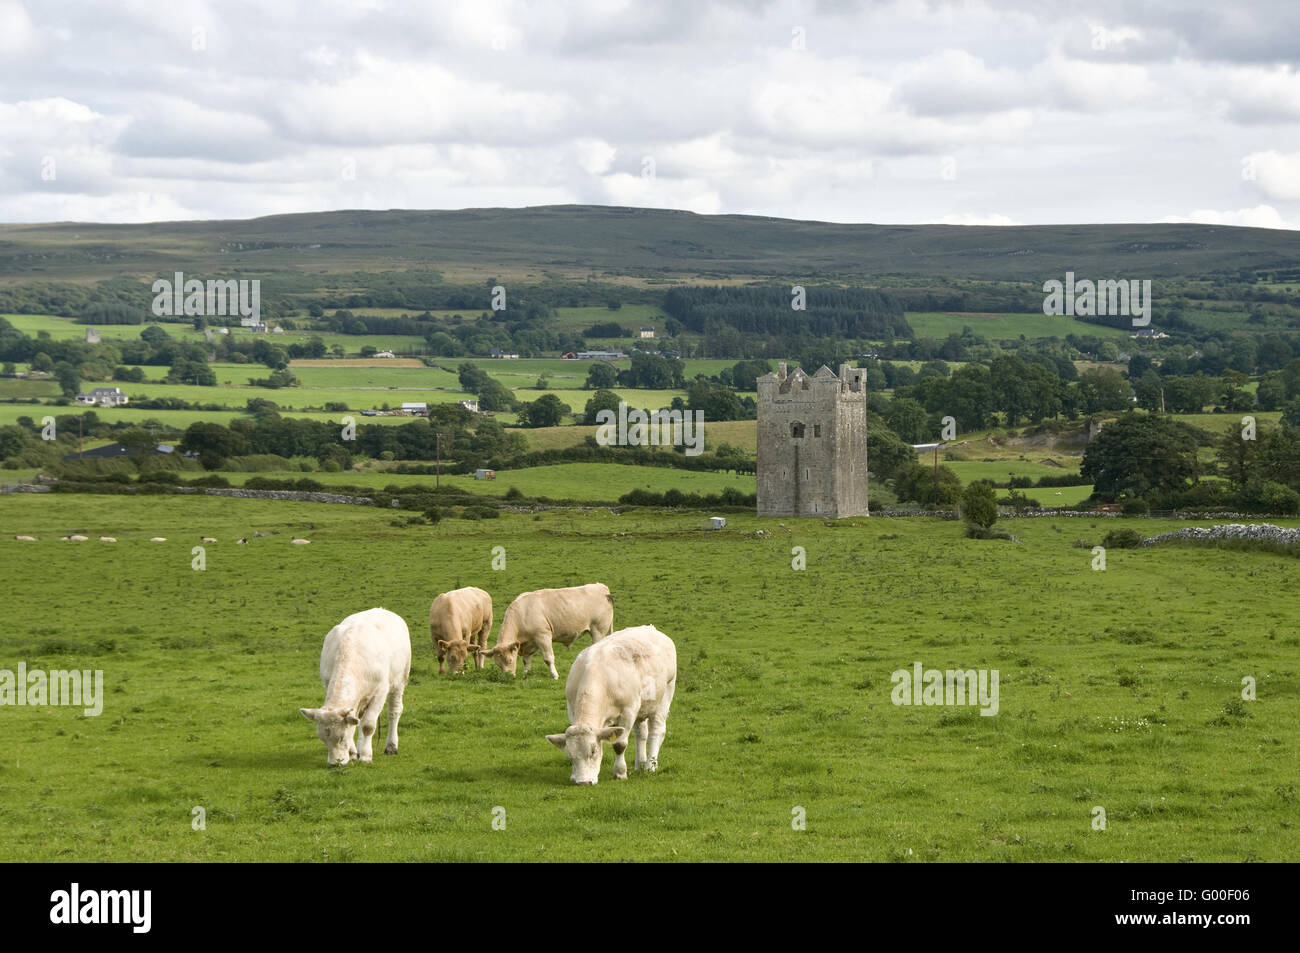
(812,443)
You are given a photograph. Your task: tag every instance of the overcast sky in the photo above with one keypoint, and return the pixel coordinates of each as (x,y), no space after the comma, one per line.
(894,112)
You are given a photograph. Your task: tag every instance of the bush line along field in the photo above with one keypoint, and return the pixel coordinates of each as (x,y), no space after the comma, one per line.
(1119,689)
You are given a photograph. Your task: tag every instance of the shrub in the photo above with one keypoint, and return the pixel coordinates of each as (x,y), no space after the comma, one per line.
(1136,506)
(1122,539)
(979,505)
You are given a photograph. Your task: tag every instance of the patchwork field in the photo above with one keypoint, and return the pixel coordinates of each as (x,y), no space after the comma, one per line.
(1118,689)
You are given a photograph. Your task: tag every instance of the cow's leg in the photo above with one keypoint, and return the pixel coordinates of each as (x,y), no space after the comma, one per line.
(620,748)
(369,725)
(642,733)
(527,650)
(442,660)
(548,653)
(394,716)
(483,634)
(659,726)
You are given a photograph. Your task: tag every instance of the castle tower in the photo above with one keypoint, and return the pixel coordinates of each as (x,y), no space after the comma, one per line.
(812,443)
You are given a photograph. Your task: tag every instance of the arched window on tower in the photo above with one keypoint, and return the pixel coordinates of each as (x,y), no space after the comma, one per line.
(796,430)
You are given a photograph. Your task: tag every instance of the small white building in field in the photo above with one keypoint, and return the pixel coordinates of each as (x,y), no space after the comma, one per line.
(415,408)
(647,332)
(385,354)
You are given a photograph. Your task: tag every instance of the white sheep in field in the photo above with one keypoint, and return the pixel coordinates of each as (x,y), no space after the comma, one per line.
(77,538)
(157,539)
(25,539)
(207,539)
(108,539)
(301,542)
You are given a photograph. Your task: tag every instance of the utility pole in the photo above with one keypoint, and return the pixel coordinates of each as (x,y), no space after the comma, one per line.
(437,474)
(936,474)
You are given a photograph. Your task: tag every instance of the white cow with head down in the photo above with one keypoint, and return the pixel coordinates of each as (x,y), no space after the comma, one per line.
(365,662)
(626,679)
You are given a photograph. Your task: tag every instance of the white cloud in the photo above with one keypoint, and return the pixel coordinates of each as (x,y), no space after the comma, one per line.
(1276,174)
(970,218)
(1261,216)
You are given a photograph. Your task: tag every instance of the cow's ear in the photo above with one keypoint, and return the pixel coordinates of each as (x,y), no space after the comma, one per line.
(557,740)
(351,719)
(310,713)
(443,644)
(613,734)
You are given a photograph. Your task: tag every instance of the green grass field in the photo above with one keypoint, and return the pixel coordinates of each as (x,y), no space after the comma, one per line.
(1003,326)
(600,482)
(1118,689)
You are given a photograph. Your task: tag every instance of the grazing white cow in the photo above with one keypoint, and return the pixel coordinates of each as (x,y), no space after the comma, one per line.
(207,539)
(624,680)
(301,542)
(78,538)
(108,539)
(460,621)
(365,662)
(25,539)
(537,619)
(157,539)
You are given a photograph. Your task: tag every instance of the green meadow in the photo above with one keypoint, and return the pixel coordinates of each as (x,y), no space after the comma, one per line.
(604,482)
(1004,326)
(1119,689)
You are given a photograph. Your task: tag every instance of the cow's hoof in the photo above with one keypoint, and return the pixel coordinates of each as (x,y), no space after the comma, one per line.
(390,748)
(652,767)
(365,759)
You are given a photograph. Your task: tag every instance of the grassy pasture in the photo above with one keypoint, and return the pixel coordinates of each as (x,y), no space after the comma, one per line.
(738,433)
(1002,326)
(604,482)
(1118,689)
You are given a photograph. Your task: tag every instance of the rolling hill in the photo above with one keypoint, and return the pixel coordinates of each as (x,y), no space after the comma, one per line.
(643,245)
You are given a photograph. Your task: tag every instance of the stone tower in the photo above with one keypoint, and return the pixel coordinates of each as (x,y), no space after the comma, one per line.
(812,443)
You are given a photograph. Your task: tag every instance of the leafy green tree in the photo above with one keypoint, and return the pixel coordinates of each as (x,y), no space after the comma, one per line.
(155,335)
(979,504)
(886,453)
(1103,389)
(547,411)
(601,376)
(717,402)
(1239,458)
(601,400)
(923,484)
(472,379)
(69,379)
(908,419)
(744,374)
(1139,453)
(494,396)
(1271,393)
(1280,455)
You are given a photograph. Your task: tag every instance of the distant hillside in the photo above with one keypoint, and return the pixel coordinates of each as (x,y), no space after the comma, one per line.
(581,241)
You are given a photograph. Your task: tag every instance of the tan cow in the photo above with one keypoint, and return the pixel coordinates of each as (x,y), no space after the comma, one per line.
(621,682)
(537,619)
(460,621)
